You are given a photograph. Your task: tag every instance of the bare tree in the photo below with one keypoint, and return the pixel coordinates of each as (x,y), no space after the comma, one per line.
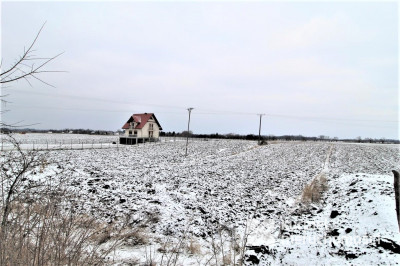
(35,226)
(27,66)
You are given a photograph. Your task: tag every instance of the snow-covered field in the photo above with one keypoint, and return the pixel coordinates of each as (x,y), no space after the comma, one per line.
(246,192)
(46,141)
(57,141)
(56,137)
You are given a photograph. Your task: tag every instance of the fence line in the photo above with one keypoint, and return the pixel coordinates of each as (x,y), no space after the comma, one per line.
(65,144)
(80,144)
(66,141)
(59,146)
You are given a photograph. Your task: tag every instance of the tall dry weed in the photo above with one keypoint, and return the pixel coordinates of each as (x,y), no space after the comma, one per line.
(38,225)
(312,193)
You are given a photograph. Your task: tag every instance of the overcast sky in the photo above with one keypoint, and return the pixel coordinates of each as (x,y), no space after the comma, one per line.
(327,68)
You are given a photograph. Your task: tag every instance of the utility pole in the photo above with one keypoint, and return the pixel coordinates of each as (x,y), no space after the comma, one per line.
(259,130)
(187,137)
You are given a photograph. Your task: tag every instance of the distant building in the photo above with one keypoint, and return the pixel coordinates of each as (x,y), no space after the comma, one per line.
(141,126)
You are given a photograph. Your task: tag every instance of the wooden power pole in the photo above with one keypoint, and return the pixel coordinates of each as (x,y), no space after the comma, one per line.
(259,130)
(187,137)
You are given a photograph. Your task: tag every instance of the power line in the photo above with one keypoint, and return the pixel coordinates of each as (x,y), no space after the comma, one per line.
(23,106)
(332,118)
(58,95)
(202,111)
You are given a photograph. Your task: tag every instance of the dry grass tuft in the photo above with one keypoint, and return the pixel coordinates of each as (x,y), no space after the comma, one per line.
(312,192)
(41,234)
(43,165)
(135,237)
(227,259)
(193,247)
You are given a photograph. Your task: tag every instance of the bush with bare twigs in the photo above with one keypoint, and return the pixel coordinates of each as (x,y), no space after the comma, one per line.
(38,225)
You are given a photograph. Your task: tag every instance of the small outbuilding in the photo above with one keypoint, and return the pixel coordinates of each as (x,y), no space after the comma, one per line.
(141,128)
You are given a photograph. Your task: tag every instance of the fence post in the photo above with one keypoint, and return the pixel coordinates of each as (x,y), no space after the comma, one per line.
(47,144)
(397,194)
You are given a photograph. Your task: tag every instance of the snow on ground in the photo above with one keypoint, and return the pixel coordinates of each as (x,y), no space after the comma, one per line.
(355,225)
(47,141)
(208,186)
(245,188)
(30,138)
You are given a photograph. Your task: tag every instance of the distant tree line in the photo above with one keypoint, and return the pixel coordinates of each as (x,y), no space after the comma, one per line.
(209,136)
(74,131)
(274,138)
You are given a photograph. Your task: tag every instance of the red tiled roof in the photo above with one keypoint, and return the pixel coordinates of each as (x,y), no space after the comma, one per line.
(141,120)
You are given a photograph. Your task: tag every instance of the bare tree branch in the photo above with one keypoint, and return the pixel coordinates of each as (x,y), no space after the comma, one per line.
(28,65)
(25,54)
(31,73)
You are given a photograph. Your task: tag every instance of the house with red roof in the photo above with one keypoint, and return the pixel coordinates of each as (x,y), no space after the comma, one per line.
(142,126)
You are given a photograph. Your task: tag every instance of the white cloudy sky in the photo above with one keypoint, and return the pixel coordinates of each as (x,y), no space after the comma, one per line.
(328,68)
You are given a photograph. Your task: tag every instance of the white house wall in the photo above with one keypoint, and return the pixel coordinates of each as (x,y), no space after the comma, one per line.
(144,132)
(139,132)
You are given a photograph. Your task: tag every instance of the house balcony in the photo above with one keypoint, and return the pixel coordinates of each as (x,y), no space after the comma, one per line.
(133,139)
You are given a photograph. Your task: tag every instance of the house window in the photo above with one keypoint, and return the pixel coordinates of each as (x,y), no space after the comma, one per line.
(150,126)
(135,132)
(130,132)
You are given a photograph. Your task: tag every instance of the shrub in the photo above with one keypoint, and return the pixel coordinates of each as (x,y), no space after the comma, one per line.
(38,225)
